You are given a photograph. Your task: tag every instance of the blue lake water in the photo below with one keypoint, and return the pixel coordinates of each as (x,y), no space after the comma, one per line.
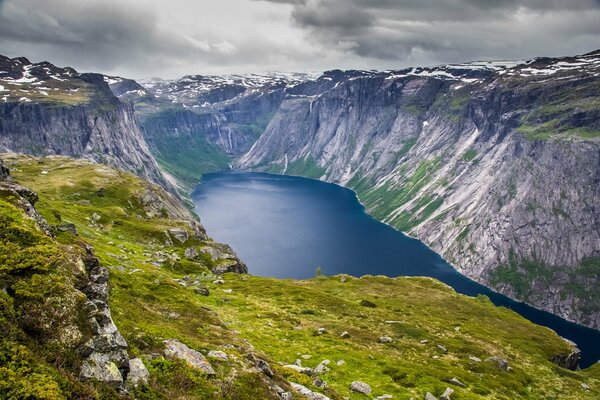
(286,227)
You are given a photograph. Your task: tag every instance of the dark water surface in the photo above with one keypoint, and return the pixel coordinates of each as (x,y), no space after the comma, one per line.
(286,227)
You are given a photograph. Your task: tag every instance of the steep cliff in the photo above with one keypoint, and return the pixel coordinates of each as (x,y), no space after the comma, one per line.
(494,165)
(49,110)
(198,123)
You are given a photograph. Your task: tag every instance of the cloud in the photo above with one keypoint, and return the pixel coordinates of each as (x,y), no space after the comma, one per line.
(152,37)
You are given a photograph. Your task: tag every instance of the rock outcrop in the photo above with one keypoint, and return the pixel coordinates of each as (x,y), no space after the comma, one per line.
(83,322)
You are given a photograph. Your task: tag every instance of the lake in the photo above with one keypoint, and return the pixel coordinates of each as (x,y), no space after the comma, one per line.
(286,227)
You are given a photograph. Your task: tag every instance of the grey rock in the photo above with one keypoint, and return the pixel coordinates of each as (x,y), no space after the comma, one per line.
(320,383)
(384,397)
(304,391)
(442,348)
(178,350)
(220,355)
(385,339)
(473,358)
(569,359)
(202,291)
(286,396)
(499,362)
(367,303)
(66,227)
(138,374)
(456,382)
(190,253)
(96,217)
(304,370)
(447,393)
(360,387)
(99,367)
(345,335)
(429,396)
(180,234)
(264,367)
(322,367)
(585,386)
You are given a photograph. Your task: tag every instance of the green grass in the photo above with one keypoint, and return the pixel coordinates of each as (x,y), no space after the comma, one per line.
(469,155)
(187,158)
(307,167)
(277,319)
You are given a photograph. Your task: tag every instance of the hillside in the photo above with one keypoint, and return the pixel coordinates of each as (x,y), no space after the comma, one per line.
(405,336)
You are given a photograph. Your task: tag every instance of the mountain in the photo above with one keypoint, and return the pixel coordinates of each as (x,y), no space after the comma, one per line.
(48,110)
(78,237)
(201,123)
(495,165)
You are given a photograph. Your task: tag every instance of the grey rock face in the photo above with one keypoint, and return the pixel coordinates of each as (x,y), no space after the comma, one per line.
(449,156)
(570,359)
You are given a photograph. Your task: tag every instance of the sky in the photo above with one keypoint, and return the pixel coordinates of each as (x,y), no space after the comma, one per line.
(172,38)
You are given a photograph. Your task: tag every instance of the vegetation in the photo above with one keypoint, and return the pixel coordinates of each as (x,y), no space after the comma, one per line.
(307,167)
(275,319)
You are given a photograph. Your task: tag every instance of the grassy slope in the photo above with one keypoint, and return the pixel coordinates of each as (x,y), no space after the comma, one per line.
(279,317)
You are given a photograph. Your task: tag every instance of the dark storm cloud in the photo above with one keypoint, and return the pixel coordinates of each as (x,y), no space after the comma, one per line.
(155,37)
(451,30)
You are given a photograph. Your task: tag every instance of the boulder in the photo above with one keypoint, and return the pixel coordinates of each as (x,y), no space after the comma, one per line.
(429,396)
(99,367)
(96,217)
(304,391)
(66,227)
(138,374)
(500,363)
(456,382)
(385,339)
(180,234)
(447,393)
(202,291)
(367,303)
(345,335)
(264,367)
(320,383)
(360,387)
(190,253)
(322,367)
(473,358)
(175,349)
(320,331)
(219,355)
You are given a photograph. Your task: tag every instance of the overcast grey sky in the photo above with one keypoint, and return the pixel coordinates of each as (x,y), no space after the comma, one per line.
(171,38)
